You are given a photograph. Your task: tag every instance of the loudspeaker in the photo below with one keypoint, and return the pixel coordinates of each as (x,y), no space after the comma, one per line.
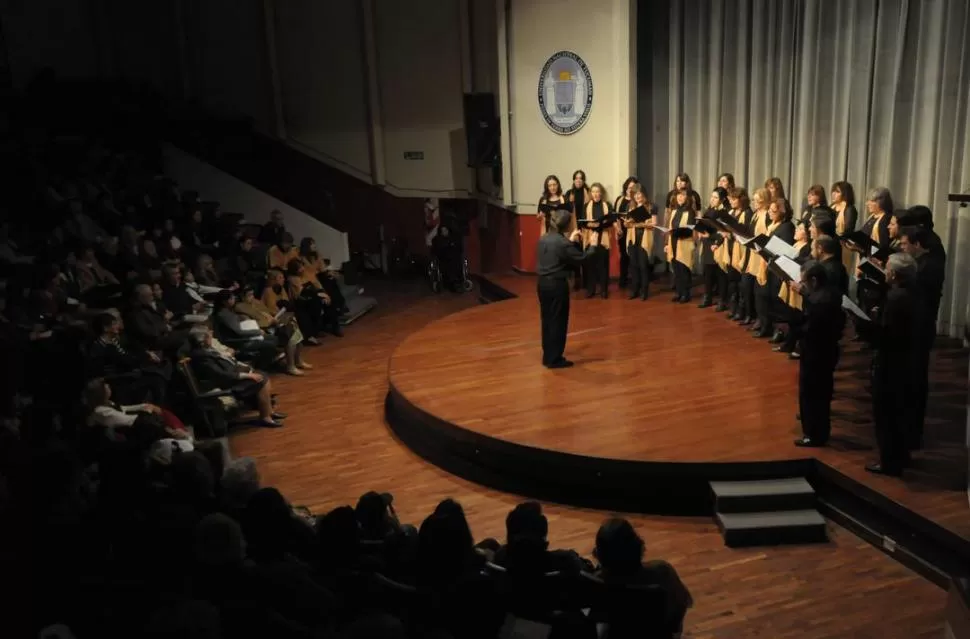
(481,129)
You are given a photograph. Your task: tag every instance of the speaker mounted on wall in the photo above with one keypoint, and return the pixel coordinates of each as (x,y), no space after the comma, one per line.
(482,130)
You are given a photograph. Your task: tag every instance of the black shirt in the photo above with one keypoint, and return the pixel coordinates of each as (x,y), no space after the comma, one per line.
(556,255)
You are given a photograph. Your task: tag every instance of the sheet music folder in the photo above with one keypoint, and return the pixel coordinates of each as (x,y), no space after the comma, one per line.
(736,227)
(604,222)
(640,214)
(872,271)
(786,268)
(962,198)
(860,239)
(682,232)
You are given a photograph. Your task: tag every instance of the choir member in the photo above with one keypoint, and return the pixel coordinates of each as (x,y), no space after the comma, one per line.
(710,243)
(680,247)
(556,254)
(622,206)
(682,182)
(816,204)
(639,244)
(725,181)
(880,207)
(823,224)
(767,283)
(552,195)
(895,337)
(825,250)
(741,211)
(759,226)
(576,198)
(930,276)
(846,217)
(792,299)
(776,191)
(820,333)
(597,267)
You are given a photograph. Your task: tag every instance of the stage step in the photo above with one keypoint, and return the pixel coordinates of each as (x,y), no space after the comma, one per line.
(772,528)
(793,493)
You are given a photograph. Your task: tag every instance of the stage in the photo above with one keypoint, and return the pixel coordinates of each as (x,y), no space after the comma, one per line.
(663,398)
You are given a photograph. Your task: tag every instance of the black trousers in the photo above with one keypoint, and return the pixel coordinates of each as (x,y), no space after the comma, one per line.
(892,419)
(920,392)
(710,280)
(554,317)
(747,308)
(816,382)
(332,288)
(725,289)
(640,271)
(682,280)
(795,318)
(624,259)
(596,269)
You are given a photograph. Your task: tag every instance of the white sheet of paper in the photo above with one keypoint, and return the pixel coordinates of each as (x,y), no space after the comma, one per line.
(280,313)
(662,229)
(781,247)
(853,308)
(688,226)
(791,268)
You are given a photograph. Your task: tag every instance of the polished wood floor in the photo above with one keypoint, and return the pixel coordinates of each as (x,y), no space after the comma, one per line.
(335,446)
(659,381)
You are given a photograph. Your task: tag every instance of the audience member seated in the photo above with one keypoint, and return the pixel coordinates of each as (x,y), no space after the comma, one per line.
(142,424)
(312,301)
(526,548)
(213,370)
(145,374)
(279,323)
(242,265)
(276,295)
(273,231)
(149,323)
(245,335)
(619,550)
(282,253)
(178,299)
(149,260)
(315,267)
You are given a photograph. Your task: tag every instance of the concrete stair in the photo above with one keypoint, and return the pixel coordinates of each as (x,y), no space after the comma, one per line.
(767,512)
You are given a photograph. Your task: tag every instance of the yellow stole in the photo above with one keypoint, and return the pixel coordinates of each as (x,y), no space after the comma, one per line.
(596,237)
(722,252)
(738,252)
(685,246)
(762,275)
(788,295)
(646,242)
(760,228)
(544,222)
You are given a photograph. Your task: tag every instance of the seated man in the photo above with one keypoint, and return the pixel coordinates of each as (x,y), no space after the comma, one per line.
(177,297)
(146,374)
(213,369)
(526,548)
(149,324)
(446,247)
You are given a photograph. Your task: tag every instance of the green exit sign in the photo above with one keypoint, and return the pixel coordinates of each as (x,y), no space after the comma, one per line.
(414,155)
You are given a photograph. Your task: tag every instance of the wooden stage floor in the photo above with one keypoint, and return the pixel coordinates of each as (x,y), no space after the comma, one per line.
(667,383)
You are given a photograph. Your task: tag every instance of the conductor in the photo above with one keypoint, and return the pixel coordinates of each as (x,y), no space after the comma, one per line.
(557,258)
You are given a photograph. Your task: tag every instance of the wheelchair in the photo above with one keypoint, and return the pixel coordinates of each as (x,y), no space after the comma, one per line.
(436,278)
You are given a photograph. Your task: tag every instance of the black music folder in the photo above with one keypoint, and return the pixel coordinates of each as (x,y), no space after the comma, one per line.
(733,224)
(757,243)
(872,272)
(682,232)
(707,225)
(551,208)
(640,214)
(860,239)
(604,222)
(883,254)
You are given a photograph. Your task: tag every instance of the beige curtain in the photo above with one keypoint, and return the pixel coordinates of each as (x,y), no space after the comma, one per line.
(876,92)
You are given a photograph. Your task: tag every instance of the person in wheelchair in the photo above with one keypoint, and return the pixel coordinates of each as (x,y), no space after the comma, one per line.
(446,250)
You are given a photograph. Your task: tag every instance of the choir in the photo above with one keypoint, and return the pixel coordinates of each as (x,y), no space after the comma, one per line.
(785,278)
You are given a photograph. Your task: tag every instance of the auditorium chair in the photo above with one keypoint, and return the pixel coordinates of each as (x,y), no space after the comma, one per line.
(210,411)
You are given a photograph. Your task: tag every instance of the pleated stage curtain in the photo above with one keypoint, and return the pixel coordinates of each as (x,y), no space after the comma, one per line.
(875,92)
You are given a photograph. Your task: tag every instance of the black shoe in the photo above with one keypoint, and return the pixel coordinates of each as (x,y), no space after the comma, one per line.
(644,297)
(563,363)
(794,355)
(685,299)
(721,308)
(705,302)
(590,294)
(270,423)
(745,321)
(634,295)
(781,349)
(778,337)
(877,469)
(761,334)
(277,415)
(808,442)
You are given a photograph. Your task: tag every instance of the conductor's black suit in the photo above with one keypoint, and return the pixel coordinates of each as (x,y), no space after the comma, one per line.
(557,259)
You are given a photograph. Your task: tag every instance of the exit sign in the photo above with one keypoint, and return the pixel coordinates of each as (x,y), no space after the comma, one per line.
(414,155)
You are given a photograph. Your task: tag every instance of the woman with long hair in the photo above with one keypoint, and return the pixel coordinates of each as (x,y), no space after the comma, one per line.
(623,204)
(776,191)
(792,299)
(815,199)
(711,244)
(552,198)
(846,217)
(639,223)
(759,226)
(576,199)
(767,283)
(739,254)
(680,246)
(597,266)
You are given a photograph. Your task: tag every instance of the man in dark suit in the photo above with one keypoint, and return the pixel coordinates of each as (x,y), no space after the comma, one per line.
(827,251)
(897,336)
(137,376)
(557,258)
(214,370)
(820,334)
(930,260)
(148,323)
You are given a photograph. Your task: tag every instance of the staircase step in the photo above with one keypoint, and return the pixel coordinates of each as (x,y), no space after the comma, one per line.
(772,528)
(766,495)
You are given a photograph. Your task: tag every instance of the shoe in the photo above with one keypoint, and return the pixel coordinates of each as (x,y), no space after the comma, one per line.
(745,321)
(808,442)
(312,341)
(877,469)
(634,296)
(278,415)
(270,423)
(337,331)
(733,317)
(563,363)
(794,355)
(705,302)
(294,371)
(721,308)
(675,299)
(644,297)
(590,294)
(778,337)
(761,334)
(684,300)
(780,349)
(305,366)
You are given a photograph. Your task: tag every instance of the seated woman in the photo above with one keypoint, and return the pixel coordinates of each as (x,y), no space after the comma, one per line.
(282,252)
(213,369)
(282,324)
(317,268)
(276,295)
(619,550)
(206,275)
(95,283)
(311,300)
(228,324)
(141,424)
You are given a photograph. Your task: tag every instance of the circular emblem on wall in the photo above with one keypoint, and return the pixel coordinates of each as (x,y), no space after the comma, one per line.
(565,92)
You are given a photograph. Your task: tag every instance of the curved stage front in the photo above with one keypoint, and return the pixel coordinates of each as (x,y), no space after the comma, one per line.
(663,399)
